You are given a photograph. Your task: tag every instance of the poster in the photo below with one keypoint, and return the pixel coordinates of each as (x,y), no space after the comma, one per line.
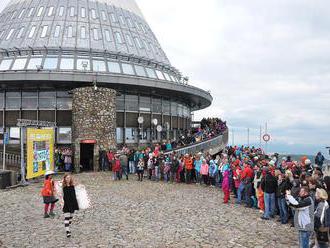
(40,151)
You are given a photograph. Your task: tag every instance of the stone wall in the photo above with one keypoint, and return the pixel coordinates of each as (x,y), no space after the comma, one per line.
(93,118)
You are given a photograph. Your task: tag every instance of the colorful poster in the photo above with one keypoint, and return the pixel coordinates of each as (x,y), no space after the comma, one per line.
(40,151)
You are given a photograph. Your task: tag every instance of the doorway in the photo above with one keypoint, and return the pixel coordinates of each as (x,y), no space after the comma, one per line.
(87,157)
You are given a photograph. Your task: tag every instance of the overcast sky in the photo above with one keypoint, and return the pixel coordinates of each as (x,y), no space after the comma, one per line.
(263,61)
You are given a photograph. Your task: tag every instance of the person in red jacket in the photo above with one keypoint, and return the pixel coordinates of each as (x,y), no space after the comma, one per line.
(48,194)
(116,168)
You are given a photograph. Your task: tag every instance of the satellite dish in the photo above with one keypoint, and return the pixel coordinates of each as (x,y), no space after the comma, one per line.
(140,120)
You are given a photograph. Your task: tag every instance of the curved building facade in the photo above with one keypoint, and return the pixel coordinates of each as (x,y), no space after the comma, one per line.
(50,48)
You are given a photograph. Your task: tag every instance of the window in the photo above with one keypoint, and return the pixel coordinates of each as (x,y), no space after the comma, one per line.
(83,64)
(2,96)
(51,11)
(140,71)
(151,73)
(120,102)
(64,135)
(1,34)
(57,31)
(83,32)
(47,100)
(13,15)
(32,31)
(67,64)
(83,12)
(119,39)
(41,9)
(156,105)
(34,63)
(174,108)
(14,132)
(145,104)
(104,16)
(99,65)
(29,100)
(44,31)
(13,100)
(107,35)
(70,32)
(113,17)
(166,107)
(129,21)
(20,33)
(5,64)
(63,102)
(71,11)
(31,12)
(129,40)
(138,42)
(61,11)
(21,14)
(50,63)
(95,34)
(167,77)
(160,75)
(119,134)
(10,33)
(114,67)
(131,103)
(19,64)
(127,69)
(143,29)
(172,78)
(93,13)
(122,20)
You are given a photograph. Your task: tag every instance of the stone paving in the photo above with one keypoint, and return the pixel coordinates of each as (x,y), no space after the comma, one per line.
(139,214)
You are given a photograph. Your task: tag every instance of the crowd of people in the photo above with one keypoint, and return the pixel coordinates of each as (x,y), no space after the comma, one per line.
(296,192)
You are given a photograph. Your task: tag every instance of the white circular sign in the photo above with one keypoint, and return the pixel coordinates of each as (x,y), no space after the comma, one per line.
(155,122)
(266,137)
(159,128)
(140,120)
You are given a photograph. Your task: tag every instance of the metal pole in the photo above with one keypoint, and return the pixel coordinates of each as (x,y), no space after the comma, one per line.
(4,152)
(248,136)
(23,181)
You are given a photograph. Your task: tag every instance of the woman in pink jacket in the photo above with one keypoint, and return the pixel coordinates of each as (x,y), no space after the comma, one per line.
(205,172)
(225,183)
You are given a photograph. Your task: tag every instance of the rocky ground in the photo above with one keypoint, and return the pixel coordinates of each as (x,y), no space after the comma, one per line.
(139,214)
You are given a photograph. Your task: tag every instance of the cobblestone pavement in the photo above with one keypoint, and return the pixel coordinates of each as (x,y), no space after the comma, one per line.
(135,214)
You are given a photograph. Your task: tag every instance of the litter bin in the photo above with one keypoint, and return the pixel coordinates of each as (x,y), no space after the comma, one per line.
(4,179)
(13,178)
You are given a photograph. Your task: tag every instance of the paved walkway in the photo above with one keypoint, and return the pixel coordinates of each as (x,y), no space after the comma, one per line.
(134,214)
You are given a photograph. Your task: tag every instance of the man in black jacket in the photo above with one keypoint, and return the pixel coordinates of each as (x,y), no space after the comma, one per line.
(269,187)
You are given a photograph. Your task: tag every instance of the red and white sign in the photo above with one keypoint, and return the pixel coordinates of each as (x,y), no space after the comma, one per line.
(88,142)
(266,137)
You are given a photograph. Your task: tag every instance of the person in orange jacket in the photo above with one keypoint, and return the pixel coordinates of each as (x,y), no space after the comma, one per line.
(188,165)
(48,194)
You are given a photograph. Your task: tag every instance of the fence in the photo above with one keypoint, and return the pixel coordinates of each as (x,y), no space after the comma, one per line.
(12,160)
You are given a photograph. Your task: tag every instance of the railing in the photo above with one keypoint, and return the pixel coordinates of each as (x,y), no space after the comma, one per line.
(213,146)
(12,160)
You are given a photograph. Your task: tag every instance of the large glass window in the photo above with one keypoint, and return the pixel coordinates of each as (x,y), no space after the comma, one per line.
(95,34)
(129,21)
(47,100)
(119,134)
(51,11)
(13,15)
(32,31)
(29,100)
(34,63)
(174,108)
(70,32)
(83,32)
(114,67)
(13,100)
(71,11)
(160,75)
(167,77)
(138,42)
(145,103)
(128,69)
(151,73)
(166,107)
(5,64)
(44,31)
(140,71)
(129,40)
(157,105)
(130,134)
(64,135)
(63,101)
(122,20)
(113,17)
(61,11)
(131,103)
(2,96)
(10,34)
(120,102)
(67,64)
(83,12)
(31,12)
(50,63)
(119,39)
(104,16)
(41,9)
(14,132)
(19,64)
(93,12)
(107,35)
(83,64)
(57,31)
(99,65)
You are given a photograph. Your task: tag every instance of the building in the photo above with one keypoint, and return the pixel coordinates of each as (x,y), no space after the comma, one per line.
(93,67)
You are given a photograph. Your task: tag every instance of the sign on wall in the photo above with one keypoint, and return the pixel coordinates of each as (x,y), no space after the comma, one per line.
(40,151)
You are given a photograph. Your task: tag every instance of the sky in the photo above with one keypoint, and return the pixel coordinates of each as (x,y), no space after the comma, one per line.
(263,61)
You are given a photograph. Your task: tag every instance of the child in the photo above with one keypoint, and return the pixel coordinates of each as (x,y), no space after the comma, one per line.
(205,172)
(140,169)
(48,192)
(70,202)
(116,167)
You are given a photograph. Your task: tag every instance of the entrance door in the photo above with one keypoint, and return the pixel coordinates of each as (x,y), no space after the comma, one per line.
(87,156)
